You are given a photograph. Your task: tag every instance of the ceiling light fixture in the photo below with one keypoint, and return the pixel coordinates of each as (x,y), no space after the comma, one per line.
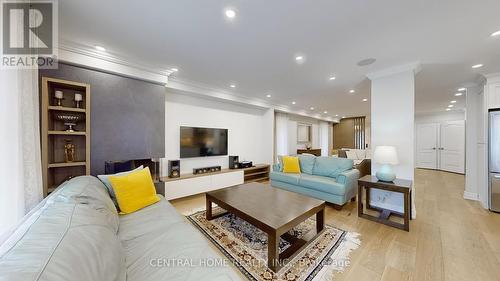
(230,13)
(232,86)
(343,117)
(294,103)
(451,105)
(100,48)
(477,66)
(352,91)
(336,115)
(458,94)
(268,96)
(453,101)
(311,108)
(174,69)
(299,58)
(496,33)
(461,89)
(365,99)
(325,112)
(448,109)
(332,78)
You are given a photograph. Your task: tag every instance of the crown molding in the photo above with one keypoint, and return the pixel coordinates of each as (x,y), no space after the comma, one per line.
(207,91)
(414,67)
(87,56)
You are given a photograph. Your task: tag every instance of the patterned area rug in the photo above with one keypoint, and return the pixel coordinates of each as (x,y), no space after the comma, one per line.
(246,247)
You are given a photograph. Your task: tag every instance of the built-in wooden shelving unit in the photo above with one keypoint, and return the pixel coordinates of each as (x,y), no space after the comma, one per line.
(54,132)
(257,173)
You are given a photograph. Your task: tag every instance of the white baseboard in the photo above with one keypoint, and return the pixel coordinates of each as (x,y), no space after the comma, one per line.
(470,196)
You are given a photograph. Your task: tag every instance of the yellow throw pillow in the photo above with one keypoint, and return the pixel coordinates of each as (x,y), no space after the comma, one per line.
(291,165)
(134,191)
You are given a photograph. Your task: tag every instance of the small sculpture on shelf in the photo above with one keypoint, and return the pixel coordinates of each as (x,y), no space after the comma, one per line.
(58,95)
(69,120)
(69,151)
(78,100)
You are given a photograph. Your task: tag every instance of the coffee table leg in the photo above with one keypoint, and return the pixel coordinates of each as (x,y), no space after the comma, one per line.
(209,208)
(320,220)
(273,251)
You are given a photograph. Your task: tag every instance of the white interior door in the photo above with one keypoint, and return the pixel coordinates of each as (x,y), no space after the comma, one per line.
(452,148)
(427,145)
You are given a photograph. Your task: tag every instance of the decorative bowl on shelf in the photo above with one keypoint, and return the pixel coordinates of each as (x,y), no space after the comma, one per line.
(70,120)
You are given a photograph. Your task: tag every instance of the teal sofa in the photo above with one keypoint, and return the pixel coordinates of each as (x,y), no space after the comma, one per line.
(327,178)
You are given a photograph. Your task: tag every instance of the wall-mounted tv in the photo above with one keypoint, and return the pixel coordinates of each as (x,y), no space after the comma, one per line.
(201,142)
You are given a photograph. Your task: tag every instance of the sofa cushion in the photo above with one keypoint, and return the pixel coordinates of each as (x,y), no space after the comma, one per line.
(351,154)
(323,184)
(307,163)
(64,241)
(331,166)
(109,187)
(156,235)
(291,164)
(282,177)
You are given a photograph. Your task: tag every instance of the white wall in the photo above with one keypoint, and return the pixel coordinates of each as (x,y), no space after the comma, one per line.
(251,130)
(392,123)
(439,117)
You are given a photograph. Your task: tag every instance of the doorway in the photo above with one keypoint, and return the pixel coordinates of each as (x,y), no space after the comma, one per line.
(441,146)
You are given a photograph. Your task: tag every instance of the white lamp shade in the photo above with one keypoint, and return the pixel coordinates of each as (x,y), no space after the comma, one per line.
(386,155)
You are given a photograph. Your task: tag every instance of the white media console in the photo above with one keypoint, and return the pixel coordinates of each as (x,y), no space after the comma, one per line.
(187,185)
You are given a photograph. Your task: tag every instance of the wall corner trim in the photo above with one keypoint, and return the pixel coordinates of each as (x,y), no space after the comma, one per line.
(471,196)
(414,67)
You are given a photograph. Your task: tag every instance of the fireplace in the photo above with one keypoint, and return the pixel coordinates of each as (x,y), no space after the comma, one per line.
(113,167)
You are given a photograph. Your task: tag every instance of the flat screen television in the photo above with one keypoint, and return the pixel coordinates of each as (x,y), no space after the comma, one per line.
(202,142)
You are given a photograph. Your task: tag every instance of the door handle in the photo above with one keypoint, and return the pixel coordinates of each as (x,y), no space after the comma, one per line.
(433,148)
(441,148)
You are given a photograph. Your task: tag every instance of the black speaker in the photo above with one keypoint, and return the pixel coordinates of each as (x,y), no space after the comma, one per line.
(174,168)
(233,162)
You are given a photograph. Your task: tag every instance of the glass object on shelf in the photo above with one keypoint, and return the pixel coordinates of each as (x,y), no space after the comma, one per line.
(58,95)
(78,100)
(70,120)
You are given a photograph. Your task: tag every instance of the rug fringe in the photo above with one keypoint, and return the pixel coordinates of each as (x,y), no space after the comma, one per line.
(340,259)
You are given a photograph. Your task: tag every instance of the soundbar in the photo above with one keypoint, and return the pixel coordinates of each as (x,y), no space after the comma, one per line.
(206,170)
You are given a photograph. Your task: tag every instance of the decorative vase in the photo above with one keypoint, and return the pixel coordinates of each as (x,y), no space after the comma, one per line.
(386,174)
(69,151)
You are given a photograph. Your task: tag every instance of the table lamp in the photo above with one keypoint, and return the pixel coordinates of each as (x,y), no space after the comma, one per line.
(386,155)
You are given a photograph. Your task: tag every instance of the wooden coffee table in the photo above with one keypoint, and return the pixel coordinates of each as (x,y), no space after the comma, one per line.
(274,211)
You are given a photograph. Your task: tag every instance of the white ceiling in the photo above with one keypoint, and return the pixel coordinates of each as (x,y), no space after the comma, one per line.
(256,50)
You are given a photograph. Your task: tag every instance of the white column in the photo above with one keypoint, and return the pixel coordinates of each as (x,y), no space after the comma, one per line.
(473,105)
(392,123)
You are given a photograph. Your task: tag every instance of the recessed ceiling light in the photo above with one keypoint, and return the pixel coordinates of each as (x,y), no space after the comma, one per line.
(332,78)
(496,33)
(477,66)
(352,91)
(299,58)
(461,89)
(453,101)
(451,105)
(336,115)
(232,86)
(100,48)
(174,69)
(458,94)
(311,108)
(230,13)
(294,103)
(325,112)
(448,109)
(365,99)
(343,117)
(268,96)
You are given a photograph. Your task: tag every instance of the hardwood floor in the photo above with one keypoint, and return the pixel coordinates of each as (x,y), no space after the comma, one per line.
(451,239)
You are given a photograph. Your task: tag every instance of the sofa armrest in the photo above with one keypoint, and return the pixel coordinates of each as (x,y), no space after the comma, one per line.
(349,178)
(276,168)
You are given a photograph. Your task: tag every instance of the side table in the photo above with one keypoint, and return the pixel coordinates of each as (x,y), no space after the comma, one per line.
(398,185)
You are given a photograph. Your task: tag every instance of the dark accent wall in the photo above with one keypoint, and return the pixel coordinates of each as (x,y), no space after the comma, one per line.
(127,115)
